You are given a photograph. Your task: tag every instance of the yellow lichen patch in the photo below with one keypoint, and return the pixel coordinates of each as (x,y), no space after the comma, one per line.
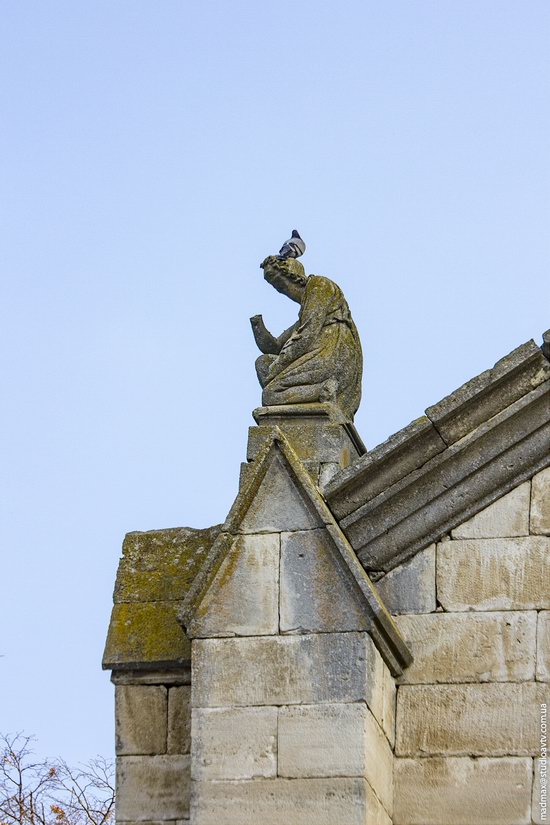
(145,634)
(155,573)
(160,565)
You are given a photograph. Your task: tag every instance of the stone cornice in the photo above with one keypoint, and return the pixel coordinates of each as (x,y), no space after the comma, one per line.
(470,449)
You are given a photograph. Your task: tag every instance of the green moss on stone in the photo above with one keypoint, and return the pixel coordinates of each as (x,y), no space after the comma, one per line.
(143,635)
(154,575)
(160,565)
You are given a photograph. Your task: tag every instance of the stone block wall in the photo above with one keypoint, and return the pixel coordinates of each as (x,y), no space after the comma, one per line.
(306,739)
(475,611)
(153,744)
(293,704)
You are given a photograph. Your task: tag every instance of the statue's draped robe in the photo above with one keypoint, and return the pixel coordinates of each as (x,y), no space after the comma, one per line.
(322,359)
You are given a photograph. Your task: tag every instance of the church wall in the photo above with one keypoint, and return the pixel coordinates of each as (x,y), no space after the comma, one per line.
(282,734)
(293,706)
(475,610)
(153,744)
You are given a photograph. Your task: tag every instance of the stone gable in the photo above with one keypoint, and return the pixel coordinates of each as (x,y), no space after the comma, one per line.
(303,702)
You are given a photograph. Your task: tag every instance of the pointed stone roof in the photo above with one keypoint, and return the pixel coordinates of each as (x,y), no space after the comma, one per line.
(468,450)
(322,585)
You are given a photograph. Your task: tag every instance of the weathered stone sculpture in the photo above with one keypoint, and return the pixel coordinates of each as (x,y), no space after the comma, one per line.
(319,358)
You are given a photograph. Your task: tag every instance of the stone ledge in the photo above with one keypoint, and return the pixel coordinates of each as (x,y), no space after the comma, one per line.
(175,676)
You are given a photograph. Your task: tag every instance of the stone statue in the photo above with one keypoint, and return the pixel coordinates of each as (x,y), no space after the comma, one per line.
(319,357)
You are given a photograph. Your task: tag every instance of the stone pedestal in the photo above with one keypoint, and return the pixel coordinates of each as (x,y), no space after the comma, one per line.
(318,433)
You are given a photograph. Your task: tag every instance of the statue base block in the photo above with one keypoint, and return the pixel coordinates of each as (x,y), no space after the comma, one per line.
(319,434)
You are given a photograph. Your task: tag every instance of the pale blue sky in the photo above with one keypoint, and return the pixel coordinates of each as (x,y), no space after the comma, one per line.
(151,154)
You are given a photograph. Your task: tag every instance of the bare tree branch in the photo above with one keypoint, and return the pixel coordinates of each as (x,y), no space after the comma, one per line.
(51,792)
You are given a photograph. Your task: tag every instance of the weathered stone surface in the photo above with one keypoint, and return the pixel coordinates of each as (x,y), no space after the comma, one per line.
(152,787)
(140,719)
(159,565)
(508,516)
(540,503)
(462,791)
(454,485)
(494,574)
(327,471)
(471,647)
(338,801)
(382,627)
(234,743)
(316,413)
(388,697)
(318,592)
(336,740)
(490,392)
(484,720)
(374,472)
(543,646)
(285,670)
(242,599)
(146,635)
(179,719)
(161,676)
(410,588)
(316,359)
(159,822)
(300,489)
(540,802)
(311,439)
(154,575)
(279,504)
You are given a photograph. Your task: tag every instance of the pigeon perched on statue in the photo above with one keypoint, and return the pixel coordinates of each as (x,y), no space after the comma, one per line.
(294,247)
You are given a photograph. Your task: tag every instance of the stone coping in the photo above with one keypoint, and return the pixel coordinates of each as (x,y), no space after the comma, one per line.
(470,449)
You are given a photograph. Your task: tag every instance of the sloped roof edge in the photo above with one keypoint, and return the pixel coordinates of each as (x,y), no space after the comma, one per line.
(383,630)
(468,450)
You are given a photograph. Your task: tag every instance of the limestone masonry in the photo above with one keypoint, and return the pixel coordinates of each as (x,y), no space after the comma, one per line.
(365,640)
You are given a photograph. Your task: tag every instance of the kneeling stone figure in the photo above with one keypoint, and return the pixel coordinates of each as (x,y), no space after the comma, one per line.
(319,357)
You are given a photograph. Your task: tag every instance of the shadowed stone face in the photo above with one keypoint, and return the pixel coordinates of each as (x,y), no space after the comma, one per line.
(319,358)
